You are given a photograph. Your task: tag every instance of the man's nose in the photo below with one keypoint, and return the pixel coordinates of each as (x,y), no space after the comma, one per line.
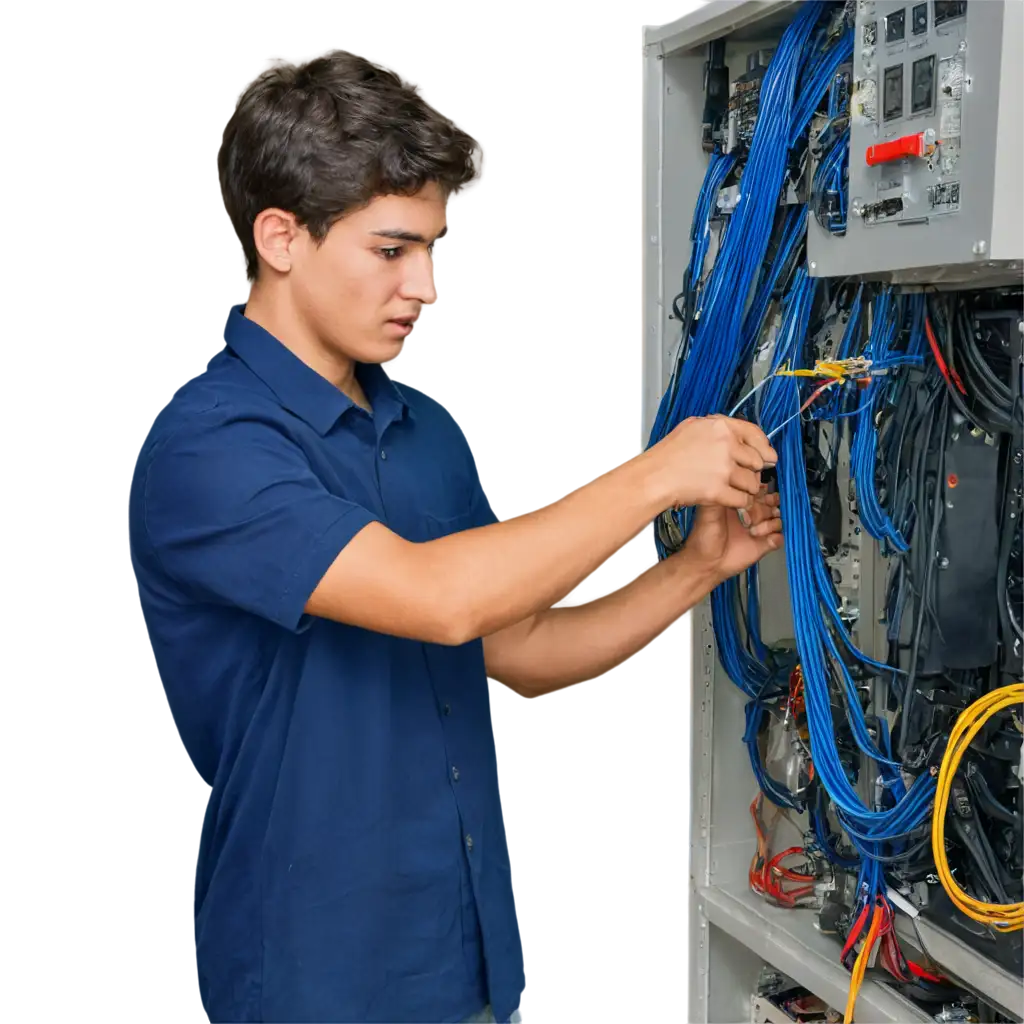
(418,284)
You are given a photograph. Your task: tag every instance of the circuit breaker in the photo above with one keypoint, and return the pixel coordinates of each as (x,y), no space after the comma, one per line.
(936,161)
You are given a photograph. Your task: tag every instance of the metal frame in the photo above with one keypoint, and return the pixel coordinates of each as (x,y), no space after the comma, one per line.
(732,933)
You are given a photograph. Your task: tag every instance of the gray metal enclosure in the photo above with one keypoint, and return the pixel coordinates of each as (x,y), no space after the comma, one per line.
(734,933)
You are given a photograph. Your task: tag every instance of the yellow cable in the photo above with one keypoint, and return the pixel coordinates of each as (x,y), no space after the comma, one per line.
(861,964)
(1007,917)
(839,369)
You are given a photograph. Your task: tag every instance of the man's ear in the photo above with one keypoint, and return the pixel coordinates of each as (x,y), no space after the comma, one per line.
(274,231)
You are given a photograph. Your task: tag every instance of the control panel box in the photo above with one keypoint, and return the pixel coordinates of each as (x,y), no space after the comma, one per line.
(935,165)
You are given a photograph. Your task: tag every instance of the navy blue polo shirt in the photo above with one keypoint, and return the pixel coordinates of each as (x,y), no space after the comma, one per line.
(352,864)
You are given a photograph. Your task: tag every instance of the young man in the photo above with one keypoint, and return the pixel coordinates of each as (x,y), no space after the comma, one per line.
(327,589)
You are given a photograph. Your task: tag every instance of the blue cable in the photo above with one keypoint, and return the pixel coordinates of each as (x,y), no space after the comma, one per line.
(864,449)
(730,305)
(716,351)
(719,166)
(812,594)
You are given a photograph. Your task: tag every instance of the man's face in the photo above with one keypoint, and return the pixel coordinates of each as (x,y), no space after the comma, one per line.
(374,267)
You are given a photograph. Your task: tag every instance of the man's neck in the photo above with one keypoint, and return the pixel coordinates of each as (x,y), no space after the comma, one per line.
(272,310)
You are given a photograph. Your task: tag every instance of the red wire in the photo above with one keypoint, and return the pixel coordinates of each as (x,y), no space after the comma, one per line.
(854,935)
(795,876)
(895,962)
(918,971)
(947,371)
(767,875)
(818,391)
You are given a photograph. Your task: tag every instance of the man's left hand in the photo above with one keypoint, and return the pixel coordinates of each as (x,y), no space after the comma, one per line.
(722,541)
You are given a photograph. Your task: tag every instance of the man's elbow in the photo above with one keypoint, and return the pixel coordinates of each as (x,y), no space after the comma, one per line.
(455,622)
(453,631)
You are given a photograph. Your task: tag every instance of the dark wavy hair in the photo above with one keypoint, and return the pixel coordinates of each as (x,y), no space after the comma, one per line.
(322,139)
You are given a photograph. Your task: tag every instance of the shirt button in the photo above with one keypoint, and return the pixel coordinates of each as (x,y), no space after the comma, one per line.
(455,773)
(383,454)
(447,709)
(469,842)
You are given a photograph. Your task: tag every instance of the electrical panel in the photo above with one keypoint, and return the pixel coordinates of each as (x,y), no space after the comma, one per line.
(935,154)
(833,248)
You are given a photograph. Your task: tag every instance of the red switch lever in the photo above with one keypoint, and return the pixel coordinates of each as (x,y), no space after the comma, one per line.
(908,145)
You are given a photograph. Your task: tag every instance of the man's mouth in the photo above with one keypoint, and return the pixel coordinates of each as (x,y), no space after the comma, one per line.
(404,324)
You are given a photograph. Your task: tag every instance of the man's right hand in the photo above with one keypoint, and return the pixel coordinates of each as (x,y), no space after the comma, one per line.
(713,460)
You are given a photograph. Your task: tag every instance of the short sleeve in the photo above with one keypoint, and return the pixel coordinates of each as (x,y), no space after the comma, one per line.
(481,512)
(234,514)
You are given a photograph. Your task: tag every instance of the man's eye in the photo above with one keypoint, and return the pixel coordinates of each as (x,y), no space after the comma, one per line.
(391,253)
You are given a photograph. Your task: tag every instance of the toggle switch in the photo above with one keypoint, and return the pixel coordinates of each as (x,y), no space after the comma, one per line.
(920,145)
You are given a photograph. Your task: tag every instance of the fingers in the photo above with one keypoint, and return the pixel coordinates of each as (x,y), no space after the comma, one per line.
(769,505)
(755,515)
(745,480)
(752,435)
(732,497)
(766,527)
(744,455)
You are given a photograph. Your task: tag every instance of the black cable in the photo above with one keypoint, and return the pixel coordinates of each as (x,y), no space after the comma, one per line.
(936,520)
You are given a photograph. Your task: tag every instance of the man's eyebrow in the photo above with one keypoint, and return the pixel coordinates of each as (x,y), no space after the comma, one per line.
(406,236)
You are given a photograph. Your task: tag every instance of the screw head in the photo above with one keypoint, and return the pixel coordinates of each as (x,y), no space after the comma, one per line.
(943,563)
(980,247)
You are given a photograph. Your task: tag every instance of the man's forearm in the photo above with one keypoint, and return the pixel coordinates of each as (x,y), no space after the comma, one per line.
(502,573)
(562,646)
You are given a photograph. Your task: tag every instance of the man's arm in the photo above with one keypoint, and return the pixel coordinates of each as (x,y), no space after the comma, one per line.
(558,647)
(462,586)
(476,582)
(561,646)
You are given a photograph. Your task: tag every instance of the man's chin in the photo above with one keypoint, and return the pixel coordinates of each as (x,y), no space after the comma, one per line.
(389,349)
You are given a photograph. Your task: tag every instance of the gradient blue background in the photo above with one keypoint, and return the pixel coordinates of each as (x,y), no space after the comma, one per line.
(113,273)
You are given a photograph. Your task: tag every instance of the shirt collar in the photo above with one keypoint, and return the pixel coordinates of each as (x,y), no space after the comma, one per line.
(299,388)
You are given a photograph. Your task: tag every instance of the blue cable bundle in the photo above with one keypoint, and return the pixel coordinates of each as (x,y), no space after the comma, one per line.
(715,354)
(822,72)
(719,166)
(817,625)
(746,667)
(724,317)
(792,234)
(864,449)
(830,181)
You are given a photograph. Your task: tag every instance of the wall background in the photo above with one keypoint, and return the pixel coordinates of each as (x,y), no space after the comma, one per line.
(119,267)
